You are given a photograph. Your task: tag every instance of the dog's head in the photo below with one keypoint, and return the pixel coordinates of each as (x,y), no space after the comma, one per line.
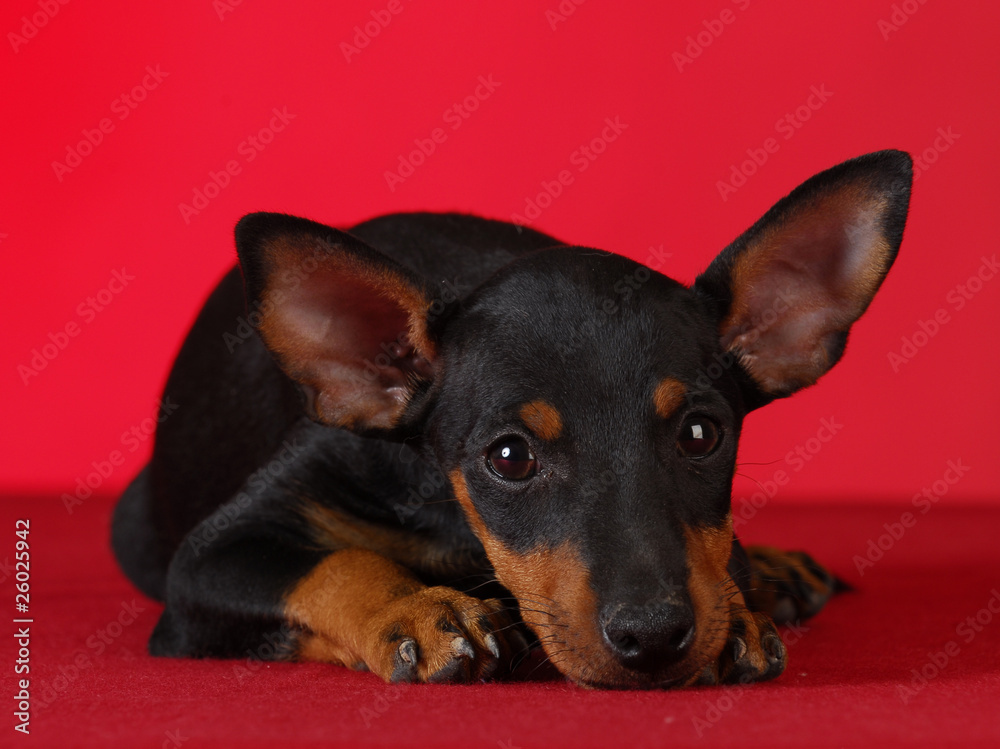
(586,408)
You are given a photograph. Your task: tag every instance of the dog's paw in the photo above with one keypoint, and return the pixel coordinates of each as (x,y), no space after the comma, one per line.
(788,585)
(753,651)
(440,635)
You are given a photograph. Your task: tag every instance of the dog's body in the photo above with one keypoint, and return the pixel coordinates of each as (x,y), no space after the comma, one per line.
(475,404)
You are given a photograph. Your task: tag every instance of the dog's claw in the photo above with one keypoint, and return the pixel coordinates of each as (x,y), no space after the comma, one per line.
(755,651)
(739,649)
(492,646)
(774,648)
(461,647)
(405,667)
(408,651)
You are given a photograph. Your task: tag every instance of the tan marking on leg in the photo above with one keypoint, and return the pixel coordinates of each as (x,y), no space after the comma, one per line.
(337,601)
(337,530)
(542,419)
(668,396)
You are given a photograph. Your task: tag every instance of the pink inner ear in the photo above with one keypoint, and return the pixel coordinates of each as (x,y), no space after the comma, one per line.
(801,282)
(344,330)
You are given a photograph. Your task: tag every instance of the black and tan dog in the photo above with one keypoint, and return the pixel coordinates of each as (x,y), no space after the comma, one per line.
(443,434)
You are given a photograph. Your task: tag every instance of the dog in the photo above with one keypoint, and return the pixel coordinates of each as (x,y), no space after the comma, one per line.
(426,445)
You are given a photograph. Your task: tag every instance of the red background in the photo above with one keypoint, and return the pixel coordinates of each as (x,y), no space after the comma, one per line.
(62,239)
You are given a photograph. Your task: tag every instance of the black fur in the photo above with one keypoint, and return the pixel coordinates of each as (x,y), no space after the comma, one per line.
(216,524)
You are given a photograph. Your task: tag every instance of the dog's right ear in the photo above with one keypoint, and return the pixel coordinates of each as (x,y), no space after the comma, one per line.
(342,319)
(787,291)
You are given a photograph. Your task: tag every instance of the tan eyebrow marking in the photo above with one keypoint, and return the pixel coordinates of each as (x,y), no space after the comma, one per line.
(668,396)
(542,419)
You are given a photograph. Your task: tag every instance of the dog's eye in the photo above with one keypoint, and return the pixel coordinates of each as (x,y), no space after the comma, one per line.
(698,438)
(512,459)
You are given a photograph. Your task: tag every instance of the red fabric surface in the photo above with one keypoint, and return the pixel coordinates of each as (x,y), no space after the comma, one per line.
(92,683)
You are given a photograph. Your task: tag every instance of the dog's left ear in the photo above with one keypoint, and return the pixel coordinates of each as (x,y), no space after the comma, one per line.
(787,291)
(345,321)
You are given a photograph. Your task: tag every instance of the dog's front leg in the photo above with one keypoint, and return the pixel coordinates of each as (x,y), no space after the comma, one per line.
(248,581)
(774,586)
(788,585)
(754,650)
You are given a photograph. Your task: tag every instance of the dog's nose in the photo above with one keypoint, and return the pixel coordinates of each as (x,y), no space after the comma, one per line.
(649,637)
